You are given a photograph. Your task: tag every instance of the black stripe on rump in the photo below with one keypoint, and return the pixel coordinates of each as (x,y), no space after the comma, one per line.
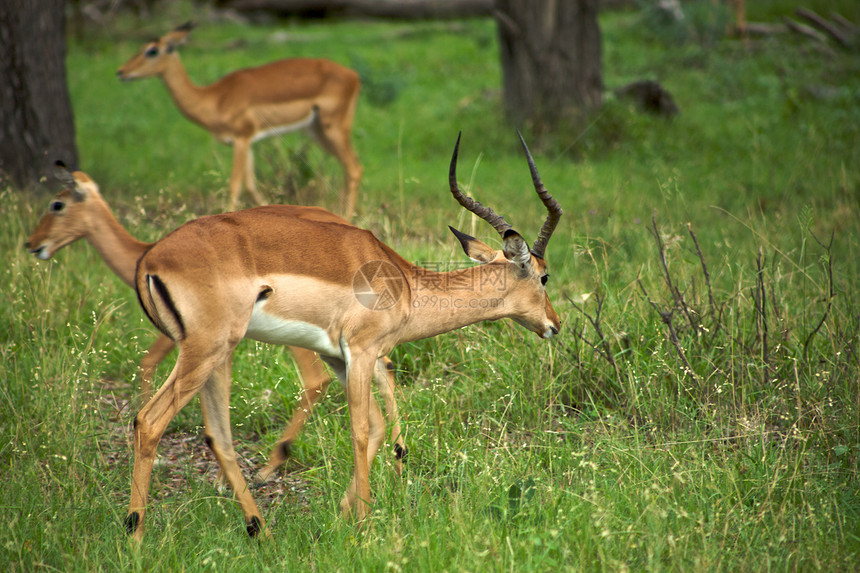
(151,318)
(164,295)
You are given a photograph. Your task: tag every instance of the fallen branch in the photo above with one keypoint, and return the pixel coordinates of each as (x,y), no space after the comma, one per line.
(847,25)
(805,30)
(829,28)
(763,29)
(388,9)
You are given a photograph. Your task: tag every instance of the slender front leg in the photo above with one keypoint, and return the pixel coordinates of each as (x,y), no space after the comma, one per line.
(156,353)
(359,374)
(375,439)
(315,381)
(332,133)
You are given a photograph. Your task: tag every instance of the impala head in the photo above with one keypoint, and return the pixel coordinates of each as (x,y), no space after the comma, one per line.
(154,57)
(67,218)
(527,267)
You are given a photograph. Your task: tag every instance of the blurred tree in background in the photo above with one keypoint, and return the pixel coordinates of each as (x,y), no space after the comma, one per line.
(551,60)
(36,122)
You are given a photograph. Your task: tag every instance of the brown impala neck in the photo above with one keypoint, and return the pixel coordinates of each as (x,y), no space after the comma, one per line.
(189,98)
(113,242)
(443,301)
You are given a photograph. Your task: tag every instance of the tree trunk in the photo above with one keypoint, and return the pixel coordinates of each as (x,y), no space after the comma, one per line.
(36,122)
(551,61)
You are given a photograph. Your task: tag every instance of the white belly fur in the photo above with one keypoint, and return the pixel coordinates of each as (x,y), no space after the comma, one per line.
(281,129)
(269,328)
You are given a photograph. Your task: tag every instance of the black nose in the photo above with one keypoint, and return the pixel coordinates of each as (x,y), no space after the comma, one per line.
(554,330)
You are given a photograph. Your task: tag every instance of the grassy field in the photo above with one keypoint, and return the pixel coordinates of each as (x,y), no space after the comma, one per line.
(700,410)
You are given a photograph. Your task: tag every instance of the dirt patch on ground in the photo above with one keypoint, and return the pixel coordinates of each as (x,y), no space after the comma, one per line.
(183,456)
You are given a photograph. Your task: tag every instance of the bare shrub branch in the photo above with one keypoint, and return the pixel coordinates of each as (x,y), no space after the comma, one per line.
(603,350)
(716,319)
(666,317)
(760,303)
(830,293)
(673,290)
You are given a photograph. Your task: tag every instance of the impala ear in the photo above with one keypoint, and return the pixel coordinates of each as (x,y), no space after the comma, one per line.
(177,36)
(63,174)
(69,180)
(516,250)
(476,250)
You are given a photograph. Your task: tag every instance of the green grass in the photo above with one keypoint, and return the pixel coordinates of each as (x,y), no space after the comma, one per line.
(584,453)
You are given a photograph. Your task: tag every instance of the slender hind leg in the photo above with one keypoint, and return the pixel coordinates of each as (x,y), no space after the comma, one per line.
(243,172)
(184,382)
(215,399)
(333,135)
(251,179)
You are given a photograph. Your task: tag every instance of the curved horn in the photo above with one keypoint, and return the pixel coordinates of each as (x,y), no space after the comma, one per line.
(552,206)
(497,221)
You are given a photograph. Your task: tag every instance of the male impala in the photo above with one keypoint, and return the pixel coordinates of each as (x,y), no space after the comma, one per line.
(79,211)
(244,106)
(276,275)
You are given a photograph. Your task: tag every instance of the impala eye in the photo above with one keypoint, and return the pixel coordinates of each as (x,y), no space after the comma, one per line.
(544,278)
(56,206)
(151,52)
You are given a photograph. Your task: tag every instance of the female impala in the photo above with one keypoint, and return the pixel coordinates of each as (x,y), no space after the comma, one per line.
(275,275)
(244,106)
(79,211)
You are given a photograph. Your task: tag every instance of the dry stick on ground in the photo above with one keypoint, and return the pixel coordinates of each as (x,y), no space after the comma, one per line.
(830,294)
(777,318)
(805,30)
(666,317)
(848,342)
(676,294)
(717,320)
(844,23)
(842,36)
(760,302)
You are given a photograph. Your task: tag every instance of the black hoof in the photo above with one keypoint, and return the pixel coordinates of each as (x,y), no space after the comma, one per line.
(254,526)
(286,449)
(131,521)
(400,452)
